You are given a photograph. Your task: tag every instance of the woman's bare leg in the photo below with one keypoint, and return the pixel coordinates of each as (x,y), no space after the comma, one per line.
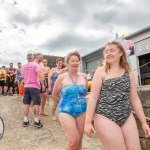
(69,126)
(109,133)
(54,107)
(80,126)
(130,133)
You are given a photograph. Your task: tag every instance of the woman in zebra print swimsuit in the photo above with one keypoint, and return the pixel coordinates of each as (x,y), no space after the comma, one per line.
(113,95)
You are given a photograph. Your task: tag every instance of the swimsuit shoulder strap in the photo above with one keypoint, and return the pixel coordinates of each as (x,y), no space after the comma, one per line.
(74,82)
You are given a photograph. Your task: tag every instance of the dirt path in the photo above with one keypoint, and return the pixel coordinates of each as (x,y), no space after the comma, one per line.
(50,137)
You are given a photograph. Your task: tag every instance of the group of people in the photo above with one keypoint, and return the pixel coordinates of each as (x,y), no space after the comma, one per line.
(39,81)
(105,111)
(10,79)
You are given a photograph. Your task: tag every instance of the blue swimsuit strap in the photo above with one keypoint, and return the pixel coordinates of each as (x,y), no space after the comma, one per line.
(72,78)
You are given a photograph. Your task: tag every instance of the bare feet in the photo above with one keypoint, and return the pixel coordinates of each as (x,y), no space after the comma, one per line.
(48,103)
(44,114)
(19,96)
(54,118)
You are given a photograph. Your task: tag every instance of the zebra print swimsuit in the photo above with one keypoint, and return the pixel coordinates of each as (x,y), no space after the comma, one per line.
(114,102)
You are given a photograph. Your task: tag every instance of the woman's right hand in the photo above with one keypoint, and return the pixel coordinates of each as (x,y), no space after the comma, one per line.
(89,129)
(146,130)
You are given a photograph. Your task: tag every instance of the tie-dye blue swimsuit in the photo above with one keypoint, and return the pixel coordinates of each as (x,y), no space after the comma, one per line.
(73,100)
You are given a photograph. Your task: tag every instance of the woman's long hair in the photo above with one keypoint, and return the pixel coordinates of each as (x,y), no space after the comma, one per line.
(123,59)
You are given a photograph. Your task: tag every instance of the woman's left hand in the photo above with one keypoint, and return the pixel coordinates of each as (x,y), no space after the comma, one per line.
(146,130)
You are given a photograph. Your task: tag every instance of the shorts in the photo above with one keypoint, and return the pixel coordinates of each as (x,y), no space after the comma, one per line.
(44,88)
(2,83)
(31,94)
(46,79)
(10,83)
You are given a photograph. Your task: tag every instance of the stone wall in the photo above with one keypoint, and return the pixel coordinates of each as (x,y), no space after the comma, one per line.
(144,95)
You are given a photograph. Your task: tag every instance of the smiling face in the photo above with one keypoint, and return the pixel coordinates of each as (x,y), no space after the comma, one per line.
(74,62)
(59,64)
(112,54)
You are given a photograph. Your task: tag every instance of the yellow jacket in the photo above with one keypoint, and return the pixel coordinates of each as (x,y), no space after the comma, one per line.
(2,74)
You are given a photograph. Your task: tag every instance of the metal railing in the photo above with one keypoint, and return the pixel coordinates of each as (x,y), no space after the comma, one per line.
(141,66)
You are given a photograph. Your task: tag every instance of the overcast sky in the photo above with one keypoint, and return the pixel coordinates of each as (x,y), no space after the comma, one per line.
(55,27)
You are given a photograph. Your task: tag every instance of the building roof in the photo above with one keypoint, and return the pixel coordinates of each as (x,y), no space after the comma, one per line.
(137,32)
(127,37)
(100,49)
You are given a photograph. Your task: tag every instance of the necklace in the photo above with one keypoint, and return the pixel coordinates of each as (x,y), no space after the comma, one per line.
(74,82)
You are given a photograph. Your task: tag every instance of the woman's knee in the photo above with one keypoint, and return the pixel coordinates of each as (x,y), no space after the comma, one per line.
(74,141)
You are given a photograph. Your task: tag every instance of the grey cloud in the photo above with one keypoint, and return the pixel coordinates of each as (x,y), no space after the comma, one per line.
(26,19)
(20,17)
(100,15)
(125,15)
(71,41)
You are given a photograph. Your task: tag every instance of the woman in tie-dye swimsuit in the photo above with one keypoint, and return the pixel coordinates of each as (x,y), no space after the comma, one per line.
(73,99)
(70,89)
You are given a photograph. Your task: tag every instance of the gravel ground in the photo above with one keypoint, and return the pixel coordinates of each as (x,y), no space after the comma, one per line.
(50,137)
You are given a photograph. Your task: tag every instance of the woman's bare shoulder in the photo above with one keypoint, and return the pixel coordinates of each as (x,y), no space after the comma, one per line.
(53,69)
(100,70)
(63,75)
(83,75)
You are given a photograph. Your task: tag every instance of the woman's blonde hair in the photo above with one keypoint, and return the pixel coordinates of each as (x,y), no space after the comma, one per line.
(74,53)
(123,59)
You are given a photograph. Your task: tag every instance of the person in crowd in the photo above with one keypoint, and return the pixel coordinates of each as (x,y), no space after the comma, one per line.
(92,74)
(32,76)
(38,60)
(88,75)
(52,76)
(69,90)
(64,66)
(10,80)
(19,77)
(112,98)
(2,79)
(46,70)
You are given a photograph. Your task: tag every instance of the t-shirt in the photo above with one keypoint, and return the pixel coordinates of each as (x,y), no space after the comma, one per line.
(12,74)
(2,74)
(29,73)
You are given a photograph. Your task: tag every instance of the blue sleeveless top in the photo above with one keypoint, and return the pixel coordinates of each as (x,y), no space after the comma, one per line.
(73,99)
(53,79)
(19,75)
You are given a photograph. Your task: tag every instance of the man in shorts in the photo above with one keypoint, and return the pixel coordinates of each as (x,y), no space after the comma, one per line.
(10,80)
(46,71)
(32,76)
(38,60)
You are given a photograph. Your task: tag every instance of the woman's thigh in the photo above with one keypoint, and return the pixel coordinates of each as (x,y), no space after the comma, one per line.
(80,121)
(69,125)
(130,133)
(109,133)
